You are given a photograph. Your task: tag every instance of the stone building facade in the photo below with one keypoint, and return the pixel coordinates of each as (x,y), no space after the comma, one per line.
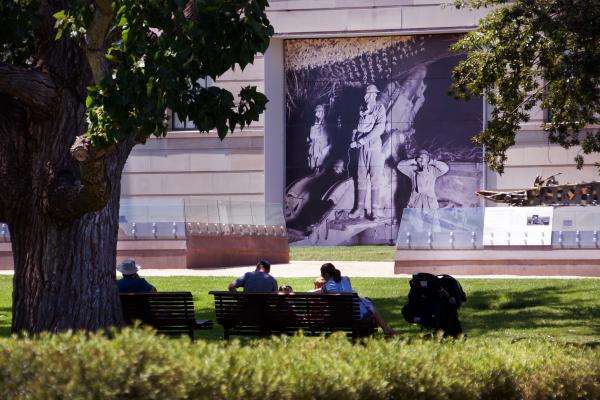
(250,165)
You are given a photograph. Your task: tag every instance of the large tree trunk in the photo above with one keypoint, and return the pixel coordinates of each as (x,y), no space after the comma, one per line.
(62,212)
(64,256)
(65,274)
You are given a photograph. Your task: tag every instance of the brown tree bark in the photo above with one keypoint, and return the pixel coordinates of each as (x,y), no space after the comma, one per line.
(62,211)
(64,256)
(65,273)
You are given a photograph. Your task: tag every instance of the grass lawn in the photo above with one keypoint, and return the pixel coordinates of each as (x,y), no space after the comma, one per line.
(342,253)
(566,310)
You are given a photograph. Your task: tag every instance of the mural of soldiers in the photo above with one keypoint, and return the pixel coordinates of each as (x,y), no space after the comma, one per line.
(423,172)
(318,142)
(367,139)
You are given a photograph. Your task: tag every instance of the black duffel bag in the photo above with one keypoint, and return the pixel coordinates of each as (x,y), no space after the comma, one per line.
(433,303)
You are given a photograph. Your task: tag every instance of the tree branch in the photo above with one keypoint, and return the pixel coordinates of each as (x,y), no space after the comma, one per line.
(33,89)
(96,35)
(71,198)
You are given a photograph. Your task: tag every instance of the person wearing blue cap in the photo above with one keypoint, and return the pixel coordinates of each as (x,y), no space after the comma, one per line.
(258,280)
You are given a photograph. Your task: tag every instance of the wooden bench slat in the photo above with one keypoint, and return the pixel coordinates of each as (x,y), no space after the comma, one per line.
(271,313)
(170,313)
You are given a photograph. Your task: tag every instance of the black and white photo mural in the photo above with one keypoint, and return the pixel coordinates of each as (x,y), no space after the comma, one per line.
(370,131)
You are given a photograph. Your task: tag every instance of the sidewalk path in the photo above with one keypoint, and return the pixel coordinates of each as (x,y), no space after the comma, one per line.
(311,269)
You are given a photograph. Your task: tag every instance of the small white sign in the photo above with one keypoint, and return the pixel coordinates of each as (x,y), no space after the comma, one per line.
(517,226)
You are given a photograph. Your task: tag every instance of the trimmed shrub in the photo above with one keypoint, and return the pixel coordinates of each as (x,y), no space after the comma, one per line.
(135,364)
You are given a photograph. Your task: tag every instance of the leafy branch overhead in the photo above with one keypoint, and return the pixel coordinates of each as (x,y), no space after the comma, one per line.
(534,52)
(147,56)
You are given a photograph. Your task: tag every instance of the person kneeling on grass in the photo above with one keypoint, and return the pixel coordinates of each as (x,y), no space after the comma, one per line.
(336,283)
(131,282)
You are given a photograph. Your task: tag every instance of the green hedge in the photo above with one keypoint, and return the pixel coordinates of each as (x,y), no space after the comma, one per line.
(135,364)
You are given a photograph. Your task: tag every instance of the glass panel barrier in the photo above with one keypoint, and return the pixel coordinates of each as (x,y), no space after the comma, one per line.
(233,212)
(151,219)
(576,227)
(174,219)
(143,218)
(444,228)
(226,217)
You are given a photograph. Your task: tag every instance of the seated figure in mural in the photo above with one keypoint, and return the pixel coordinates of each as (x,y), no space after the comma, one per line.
(366,138)
(318,141)
(423,173)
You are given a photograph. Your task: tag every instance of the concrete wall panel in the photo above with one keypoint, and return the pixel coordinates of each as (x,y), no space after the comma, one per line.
(193,183)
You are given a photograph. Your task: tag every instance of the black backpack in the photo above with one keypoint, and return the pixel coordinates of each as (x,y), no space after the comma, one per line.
(433,302)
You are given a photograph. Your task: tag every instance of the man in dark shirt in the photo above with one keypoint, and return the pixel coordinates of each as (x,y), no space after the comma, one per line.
(131,281)
(258,280)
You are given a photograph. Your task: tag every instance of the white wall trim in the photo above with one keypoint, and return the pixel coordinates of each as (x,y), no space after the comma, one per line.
(374,32)
(274,138)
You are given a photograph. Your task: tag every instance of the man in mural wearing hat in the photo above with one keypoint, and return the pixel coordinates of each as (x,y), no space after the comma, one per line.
(367,139)
(423,172)
(318,141)
(131,281)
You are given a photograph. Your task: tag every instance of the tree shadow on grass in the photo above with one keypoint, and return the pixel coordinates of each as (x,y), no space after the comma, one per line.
(542,310)
(570,310)
(539,308)
(539,311)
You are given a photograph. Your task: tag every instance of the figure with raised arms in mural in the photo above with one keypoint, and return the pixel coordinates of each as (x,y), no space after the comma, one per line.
(423,172)
(366,138)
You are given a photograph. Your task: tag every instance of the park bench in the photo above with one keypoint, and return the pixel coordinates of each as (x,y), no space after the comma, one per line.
(263,314)
(170,313)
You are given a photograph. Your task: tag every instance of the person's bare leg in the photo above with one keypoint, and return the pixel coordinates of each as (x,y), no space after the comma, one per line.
(387,330)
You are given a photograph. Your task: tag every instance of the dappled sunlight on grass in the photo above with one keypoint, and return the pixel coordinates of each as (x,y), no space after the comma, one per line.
(567,310)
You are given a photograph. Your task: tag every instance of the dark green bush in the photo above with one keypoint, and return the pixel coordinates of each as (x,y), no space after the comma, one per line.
(135,364)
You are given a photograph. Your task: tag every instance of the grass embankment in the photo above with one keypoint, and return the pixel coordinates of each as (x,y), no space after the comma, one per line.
(563,310)
(343,253)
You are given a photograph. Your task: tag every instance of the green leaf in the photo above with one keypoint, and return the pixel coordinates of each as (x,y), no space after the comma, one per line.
(122,21)
(59,15)
(88,101)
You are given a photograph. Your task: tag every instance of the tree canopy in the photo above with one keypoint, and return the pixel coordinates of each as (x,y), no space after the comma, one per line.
(528,52)
(147,56)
